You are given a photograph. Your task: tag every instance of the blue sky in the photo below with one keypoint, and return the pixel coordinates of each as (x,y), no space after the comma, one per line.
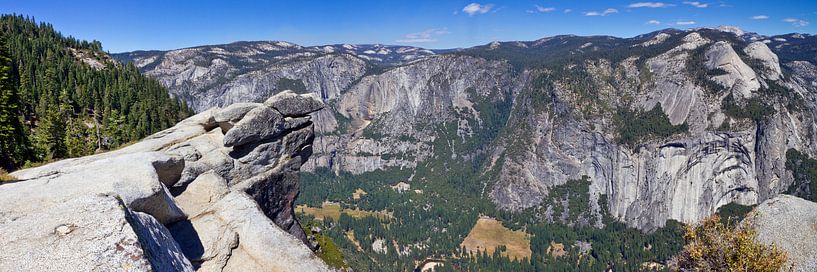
(147,24)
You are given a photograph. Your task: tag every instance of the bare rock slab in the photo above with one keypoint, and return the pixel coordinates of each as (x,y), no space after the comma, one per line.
(790,223)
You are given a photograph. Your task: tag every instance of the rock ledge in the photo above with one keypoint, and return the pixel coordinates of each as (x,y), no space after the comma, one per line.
(213,193)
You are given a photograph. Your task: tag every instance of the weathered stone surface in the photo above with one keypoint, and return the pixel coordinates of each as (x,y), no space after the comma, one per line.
(259,124)
(169,171)
(234,112)
(788,222)
(77,197)
(180,200)
(201,193)
(83,233)
(158,243)
(739,77)
(206,241)
(683,169)
(296,122)
(234,235)
(206,119)
(131,177)
(227,117)
(202,153)
(274,193)
(290,104)
(295,142)
(679,98)
(760,51)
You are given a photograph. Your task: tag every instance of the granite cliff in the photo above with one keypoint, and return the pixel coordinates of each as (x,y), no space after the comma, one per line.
(538,114)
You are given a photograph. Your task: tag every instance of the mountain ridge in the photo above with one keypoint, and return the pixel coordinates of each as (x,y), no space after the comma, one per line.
(443,50)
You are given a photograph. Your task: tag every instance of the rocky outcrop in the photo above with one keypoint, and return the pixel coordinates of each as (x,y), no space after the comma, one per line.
(215,193)
(788,223)
(738,77)
(680,98)
(761,52)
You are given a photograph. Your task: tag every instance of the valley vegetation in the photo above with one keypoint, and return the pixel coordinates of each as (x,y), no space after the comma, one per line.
(434,221)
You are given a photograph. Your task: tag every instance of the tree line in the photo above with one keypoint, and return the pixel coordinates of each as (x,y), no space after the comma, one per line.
(54,105)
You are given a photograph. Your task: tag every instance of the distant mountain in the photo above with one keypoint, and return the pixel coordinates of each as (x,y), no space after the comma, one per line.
(191,71)
(274,51)
(567,130)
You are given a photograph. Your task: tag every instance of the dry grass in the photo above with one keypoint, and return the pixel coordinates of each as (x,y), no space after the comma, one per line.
(327,209)
(488,234)
(556,249)
(5,177)
(351,236)
(333,210)
(358,194)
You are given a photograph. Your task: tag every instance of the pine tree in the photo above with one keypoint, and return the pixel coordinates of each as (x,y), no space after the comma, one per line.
(49,136)
(13,143)
(50,97)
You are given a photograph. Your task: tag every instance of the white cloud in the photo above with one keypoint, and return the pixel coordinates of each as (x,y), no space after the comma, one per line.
(685,22)
(760,17)
(568,10)
(540,9)
(649,5)
(796,22)
(476,8)
(603,13)
(543,9)
(429,35)
(653,22)
(696,4)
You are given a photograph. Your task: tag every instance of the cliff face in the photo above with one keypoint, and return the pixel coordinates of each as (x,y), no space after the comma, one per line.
(549,111)
(215,192)
(723,156)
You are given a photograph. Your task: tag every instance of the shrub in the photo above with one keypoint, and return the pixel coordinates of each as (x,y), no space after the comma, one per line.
(714,246)
(5,177)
